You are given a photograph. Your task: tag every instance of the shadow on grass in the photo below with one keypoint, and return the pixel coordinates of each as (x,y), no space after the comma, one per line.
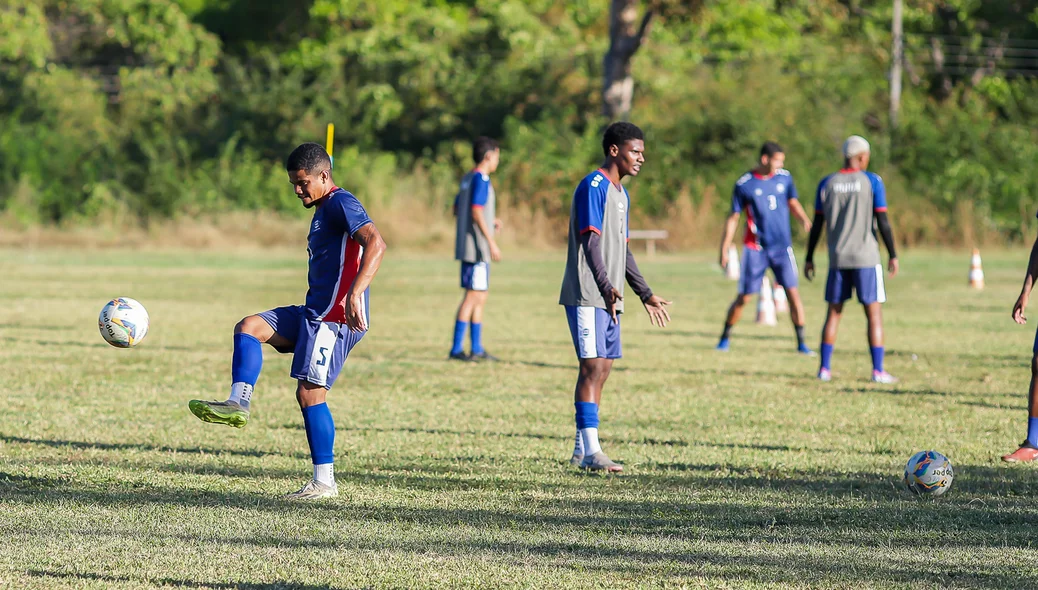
(107,578)
(74,444)
(625,533)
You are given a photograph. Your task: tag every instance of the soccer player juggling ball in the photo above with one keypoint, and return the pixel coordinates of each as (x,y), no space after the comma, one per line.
(597,263)
(345,251)
(768,196)
(846,205)
(475,247)
(1028,450)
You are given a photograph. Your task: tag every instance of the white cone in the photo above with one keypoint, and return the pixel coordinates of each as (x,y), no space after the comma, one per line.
(766,305)
(733,271)
(781,303)
(976,271)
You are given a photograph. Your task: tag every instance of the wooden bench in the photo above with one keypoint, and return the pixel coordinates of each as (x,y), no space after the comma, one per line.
(650,236)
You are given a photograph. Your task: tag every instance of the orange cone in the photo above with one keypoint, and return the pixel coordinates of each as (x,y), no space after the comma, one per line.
(732,271)
(781,303)
(976,272)
(766,305)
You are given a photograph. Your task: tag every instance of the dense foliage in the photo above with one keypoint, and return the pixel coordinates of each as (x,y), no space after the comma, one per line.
(140,109)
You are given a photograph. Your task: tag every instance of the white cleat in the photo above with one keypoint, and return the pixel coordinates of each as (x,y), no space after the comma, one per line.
(883,377)
(825,375)
(314,490)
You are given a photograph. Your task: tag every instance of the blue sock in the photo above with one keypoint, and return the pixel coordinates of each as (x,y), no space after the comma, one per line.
(477,338)
(459,336)
(587,415)
(1032,431)
(246,363)
(877,358)
(827,356)
(320,433)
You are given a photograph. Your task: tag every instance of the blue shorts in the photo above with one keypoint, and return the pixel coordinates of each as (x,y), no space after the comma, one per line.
(319,348)
(594,333)
(475,276)
(756,262)
(867,282)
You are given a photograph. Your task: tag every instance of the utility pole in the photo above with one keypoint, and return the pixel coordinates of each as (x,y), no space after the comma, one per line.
(897,55)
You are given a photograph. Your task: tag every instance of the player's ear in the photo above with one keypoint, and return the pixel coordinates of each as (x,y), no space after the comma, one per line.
(614,151)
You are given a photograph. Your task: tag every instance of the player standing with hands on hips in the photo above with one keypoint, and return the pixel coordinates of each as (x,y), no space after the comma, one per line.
(345,252)
(847,204)
(597,263)
(1028,450)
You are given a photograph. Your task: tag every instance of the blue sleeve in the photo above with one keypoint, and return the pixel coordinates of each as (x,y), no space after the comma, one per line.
(480,190)
(589,204)
(879,192)
(349,213)
(791,192)
(736,200)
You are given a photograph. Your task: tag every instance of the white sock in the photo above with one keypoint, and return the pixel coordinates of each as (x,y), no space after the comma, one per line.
(578,444)
(241,393)
(325,474)
(590,436)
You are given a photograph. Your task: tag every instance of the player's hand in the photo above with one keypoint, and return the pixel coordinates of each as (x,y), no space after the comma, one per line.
(495,252)
(723,259)
(355,317)
(809,270)
(657,308)
(611,301)
(498,225)
(807,226)
(892,267)
(1018,309)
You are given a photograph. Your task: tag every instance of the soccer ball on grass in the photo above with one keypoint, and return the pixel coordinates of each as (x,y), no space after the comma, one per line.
(929,473)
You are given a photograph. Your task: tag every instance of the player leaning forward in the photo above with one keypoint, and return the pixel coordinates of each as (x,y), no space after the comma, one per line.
(345,253)
(593,285)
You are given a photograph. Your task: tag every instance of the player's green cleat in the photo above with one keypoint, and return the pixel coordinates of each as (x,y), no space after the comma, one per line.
(229,413)
(314,490)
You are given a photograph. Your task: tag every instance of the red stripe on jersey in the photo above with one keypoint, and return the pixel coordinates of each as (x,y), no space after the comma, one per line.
(750,239)
(881,209)
(590,228)
(349,268)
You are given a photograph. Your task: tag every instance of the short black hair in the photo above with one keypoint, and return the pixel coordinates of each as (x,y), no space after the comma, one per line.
(770,148)
(310,157)
(618,133)
(481,146)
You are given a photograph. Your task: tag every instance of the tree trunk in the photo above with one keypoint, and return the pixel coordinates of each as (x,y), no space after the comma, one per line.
(625,37)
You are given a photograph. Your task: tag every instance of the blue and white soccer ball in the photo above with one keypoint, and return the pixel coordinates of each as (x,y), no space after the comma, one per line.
(123,322)
(929,473)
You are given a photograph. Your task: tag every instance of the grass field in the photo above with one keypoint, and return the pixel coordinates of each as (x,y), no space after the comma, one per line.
(742,471)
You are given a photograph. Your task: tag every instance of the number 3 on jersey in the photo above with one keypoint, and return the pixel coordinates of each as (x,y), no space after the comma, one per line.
(772,203)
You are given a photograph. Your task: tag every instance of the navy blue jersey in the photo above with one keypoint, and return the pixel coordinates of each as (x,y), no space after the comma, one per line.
(334,254)
(766,202)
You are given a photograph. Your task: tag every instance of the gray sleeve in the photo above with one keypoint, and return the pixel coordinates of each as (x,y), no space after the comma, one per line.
(636,280)
(590,242)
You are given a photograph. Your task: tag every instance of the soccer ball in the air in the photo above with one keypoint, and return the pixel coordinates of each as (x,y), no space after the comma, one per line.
(928,473)
(123,322)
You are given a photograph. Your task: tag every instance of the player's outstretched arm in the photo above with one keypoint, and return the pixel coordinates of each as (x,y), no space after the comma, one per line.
(655,305)
(374,247)
(727,235)
(1025,292)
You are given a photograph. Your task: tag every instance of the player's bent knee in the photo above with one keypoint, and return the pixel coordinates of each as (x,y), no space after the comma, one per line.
(254,326)
(310,394)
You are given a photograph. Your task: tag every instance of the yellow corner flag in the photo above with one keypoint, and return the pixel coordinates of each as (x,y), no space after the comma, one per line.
(329,142)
